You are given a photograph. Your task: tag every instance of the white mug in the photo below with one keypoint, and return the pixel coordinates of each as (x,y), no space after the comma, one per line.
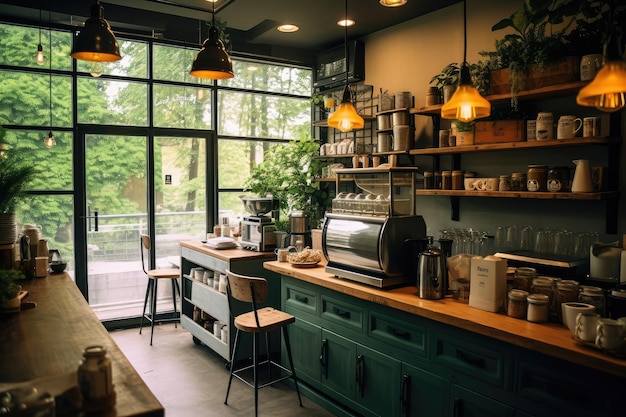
(586,324)
(568,126)
(281,254)
(589,66)
(591,126)
(545,126)
(609,334)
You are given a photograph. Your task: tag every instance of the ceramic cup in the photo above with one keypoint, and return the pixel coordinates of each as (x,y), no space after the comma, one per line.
(609,334)
(531,130)
(281,254)
(545,126)
(586,326)
(591,126)
(589,66)
(568,126)
(570,310)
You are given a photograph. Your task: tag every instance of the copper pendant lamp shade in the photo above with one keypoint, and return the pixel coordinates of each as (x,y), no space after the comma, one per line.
(95,41)
(212,61)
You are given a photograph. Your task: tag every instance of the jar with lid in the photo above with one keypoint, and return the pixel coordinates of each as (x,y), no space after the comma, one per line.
(545,285)
(518,304)
(536,178)
(505,183)
(95,379)
(457,180)
(523,277)
(429,180)
(518,181)
(537,308)
(558,178)
(566,292)
(438,180)
(446,180)
(593,296)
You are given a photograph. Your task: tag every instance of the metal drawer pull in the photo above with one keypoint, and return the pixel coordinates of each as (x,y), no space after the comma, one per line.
(343,313)
(405,395)
(457,411)
(399,334)
(360,374)
(324,358)
(302,299)
(477,362)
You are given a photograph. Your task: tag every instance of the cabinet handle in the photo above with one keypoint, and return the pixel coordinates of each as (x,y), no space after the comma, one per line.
(343,313)
(457,411)
(405,396)
(477,362)
(302,299)
(360,374)
(324,358)
(399,334)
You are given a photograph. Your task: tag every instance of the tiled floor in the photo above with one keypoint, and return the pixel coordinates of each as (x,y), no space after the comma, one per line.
(191,380)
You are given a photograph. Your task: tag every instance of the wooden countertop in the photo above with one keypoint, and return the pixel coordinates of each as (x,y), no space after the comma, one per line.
(43,346)
(226,255)
(550,338)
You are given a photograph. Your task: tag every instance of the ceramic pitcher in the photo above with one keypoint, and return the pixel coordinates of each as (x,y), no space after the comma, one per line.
(582,177)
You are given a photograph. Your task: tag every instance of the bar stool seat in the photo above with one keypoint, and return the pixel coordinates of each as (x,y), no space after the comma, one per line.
(154,275)
(259,320)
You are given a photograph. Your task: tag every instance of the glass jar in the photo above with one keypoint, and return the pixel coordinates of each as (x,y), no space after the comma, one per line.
(446,180)
(537,308)
(95,379)
(545,285)
(566,292)
(429,180)
(518,181)
(593,296)
(536,178)
(518,304)
(558,179)
(438,180)
(457,180)
(505,183)
(523,277)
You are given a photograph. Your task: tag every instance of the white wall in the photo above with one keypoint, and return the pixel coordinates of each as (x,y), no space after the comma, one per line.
(406,56)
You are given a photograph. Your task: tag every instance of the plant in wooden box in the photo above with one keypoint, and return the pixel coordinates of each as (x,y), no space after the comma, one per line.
(464,132)
(447,80)
(10,289)
(288,172)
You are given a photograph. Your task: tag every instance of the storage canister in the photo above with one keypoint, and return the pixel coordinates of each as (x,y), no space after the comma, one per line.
(558,178)
(446,180)
(95,379)
(429,180)
(518,303)
(383,121)
(385,142)
(518,181)
(593,296)
(433,96)
(522,278)
(536,178)
(566,292)
(505,183)
(537,308)
(457,180)
(438,180)
(399,118)
(545,285)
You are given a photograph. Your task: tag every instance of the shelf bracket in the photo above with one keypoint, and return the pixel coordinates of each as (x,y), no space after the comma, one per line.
(455,203)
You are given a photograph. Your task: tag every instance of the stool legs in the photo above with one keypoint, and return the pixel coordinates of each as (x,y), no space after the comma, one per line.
(151,293)
(145,304)
(153,300)
(232,364)
(293,370)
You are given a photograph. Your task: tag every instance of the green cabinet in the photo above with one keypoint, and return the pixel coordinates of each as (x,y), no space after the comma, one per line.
(467,403)
(423,393)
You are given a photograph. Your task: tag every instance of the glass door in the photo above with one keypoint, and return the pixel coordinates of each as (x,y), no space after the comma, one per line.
(137,185)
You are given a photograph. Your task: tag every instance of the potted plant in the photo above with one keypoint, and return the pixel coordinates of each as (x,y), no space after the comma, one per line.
(447,80)
(15,175)
(10,289)
(464,132)
(288,173)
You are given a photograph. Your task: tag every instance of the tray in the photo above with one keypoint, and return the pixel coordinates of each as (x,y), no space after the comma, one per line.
(304,264)
(618,354)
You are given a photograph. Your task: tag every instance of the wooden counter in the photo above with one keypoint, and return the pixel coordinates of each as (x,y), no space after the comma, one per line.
(226,255)
(550,338)
(46,344)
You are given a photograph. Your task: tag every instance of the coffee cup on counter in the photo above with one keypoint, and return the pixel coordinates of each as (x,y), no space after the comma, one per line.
(586,326)
(570,312)
(609,334)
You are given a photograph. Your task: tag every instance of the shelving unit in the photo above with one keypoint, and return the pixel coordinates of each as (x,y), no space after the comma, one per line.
(613,142)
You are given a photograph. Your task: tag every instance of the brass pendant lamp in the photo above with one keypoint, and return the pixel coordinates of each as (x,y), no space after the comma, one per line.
(346,118)
(95,41)
(466,103)
(607,90)
(212,61)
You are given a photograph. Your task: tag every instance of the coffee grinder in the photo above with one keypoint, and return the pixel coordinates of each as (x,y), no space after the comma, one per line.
(299,230)
(257,229)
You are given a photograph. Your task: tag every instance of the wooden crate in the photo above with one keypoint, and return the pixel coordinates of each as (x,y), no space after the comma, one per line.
(498,131)
(560,72)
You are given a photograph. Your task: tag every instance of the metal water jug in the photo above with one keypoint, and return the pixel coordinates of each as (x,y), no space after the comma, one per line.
(432,280)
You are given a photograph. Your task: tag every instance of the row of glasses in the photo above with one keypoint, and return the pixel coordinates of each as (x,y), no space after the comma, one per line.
(561,243)
(469,240)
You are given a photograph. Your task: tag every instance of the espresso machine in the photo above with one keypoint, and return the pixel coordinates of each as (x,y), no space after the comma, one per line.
(257,228)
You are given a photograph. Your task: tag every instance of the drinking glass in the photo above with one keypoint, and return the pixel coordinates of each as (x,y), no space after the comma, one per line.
(543,241)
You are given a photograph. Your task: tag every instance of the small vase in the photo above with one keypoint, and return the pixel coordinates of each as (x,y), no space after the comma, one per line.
(448,91)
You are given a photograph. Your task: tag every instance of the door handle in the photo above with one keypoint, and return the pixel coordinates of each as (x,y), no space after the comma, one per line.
(324,358)
(405,395)
(89,217)
(360,374)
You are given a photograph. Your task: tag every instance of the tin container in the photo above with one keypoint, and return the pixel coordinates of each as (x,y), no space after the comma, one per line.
(536,178)
(518,181)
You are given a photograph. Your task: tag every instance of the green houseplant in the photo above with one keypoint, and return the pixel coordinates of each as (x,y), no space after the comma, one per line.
(447,80)
(464,132)
(288,172)
(9,288)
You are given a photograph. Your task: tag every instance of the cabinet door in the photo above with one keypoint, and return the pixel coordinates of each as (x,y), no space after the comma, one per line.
(338,364)
(423,394)
(305,347)
(377,382)
(466,403)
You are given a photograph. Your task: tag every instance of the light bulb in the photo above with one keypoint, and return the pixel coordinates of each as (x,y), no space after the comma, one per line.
(96,69)
(49,142)
(39,56)
(610,102)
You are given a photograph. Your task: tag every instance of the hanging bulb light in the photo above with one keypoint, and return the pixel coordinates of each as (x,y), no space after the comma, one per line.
(49,142)
(212,61)
(96,69)
(607,90)
(466,103)
(96,41)
(39,57)
(346,118)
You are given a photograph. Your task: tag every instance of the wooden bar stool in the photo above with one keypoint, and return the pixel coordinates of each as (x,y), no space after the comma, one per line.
(154,275)
(259,320)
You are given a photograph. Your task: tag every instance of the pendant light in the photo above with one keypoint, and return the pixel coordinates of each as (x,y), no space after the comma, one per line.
(95,41)
(392,3)
(346,118)
(39,56)
(212,61)
(49,142)
(466,104)
(607,90)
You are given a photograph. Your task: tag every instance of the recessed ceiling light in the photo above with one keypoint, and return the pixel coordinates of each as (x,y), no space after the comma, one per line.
(392,3)
(288,28)
(346,22)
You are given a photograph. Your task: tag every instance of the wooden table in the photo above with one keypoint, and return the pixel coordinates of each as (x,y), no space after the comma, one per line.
(44,346)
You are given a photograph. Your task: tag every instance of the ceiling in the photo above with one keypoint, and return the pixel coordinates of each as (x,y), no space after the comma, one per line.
(251,23)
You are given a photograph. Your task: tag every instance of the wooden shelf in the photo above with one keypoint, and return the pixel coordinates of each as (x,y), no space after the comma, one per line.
(607,195)
(515,145)
(393,111)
